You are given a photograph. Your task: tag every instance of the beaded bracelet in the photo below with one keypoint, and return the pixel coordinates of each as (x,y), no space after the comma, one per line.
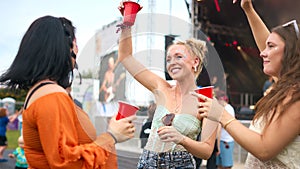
(122,26)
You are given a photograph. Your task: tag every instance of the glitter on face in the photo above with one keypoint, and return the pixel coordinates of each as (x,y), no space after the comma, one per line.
(182,52)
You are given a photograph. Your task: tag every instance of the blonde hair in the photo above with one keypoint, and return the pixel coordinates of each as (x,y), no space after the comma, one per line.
(197,48)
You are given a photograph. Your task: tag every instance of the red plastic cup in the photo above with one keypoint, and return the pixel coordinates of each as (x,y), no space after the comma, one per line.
(206,91)
(129,12)
(126,110)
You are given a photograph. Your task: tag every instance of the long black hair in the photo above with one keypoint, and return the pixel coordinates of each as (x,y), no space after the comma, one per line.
(44,53)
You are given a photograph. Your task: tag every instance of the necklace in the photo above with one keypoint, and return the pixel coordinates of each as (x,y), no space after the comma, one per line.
(180,101)
(177,105)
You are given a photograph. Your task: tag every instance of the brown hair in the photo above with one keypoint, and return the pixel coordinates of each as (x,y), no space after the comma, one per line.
(3,112)
(288,84)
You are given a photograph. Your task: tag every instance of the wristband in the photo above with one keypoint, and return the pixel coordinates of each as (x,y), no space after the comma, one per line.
(115,139)
(216,111)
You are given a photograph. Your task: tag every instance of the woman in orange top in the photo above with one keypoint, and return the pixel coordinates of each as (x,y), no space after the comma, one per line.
(57,134)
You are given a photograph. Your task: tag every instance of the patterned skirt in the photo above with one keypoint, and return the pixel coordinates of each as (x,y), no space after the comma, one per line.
(166,160)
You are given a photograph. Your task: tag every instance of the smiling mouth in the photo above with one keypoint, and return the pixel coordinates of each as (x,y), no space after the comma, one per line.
(174,70)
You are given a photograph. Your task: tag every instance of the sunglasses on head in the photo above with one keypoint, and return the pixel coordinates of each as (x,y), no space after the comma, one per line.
(296,28)
(168,119)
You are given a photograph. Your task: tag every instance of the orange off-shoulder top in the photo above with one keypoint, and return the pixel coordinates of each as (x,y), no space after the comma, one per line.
(57,134)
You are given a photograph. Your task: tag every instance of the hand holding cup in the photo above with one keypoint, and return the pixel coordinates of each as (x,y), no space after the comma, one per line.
(126,110)
(122,129)
(209,107)
(128,10)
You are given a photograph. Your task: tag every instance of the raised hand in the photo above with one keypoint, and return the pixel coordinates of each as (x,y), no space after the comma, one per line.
(245,4)
(210,108)
(121,7)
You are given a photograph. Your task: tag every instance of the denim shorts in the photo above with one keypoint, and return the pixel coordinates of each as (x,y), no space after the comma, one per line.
(166,160)
(225,158)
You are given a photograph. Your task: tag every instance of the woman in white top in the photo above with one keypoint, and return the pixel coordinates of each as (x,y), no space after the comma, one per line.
(273,140)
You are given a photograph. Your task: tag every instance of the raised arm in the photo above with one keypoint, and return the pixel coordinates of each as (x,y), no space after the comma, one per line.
(259,29)
(147,78)
(125,44)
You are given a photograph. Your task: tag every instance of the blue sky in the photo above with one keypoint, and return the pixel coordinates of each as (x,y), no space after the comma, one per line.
(87,16)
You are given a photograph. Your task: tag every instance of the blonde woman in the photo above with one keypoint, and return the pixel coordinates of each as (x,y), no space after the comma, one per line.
(175,126)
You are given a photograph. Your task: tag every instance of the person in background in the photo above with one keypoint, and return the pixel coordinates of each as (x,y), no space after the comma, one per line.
(4,120)
(20,120)
(211,161)
(78,103)
(69,88)
(267,85)
(109,80)
(224,159)
(57,133)
(146,128)
(19,155)
(273,139)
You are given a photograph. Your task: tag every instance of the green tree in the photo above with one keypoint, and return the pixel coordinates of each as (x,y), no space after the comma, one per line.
(87,74)
(18,95)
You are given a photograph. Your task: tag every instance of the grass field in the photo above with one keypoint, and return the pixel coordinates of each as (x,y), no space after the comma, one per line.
(12,138)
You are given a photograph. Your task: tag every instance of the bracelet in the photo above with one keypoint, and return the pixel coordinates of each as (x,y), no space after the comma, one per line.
(115,139)
(122,26)
(228,122)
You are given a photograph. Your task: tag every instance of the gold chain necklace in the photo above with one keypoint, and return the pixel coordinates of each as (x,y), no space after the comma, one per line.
(177,106)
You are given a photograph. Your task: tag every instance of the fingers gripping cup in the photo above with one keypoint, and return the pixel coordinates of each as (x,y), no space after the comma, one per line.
(210,126)
(126,110)
(129,12)
(206,91)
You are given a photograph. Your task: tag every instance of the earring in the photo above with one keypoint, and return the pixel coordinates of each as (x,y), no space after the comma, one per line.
(195,69)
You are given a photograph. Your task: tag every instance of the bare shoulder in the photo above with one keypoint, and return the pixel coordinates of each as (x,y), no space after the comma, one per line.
(51,88)
(45,90)
(292,115)
(294,110)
